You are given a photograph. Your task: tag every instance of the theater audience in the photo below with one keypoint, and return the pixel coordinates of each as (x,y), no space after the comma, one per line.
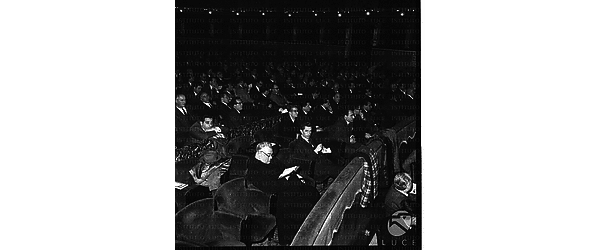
(327,92)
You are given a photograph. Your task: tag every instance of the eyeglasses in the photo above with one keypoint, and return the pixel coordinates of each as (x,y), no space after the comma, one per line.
(268,155)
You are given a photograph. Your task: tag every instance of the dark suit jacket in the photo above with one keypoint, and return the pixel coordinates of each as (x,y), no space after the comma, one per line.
(322,117)
(203,109)
(198,135)
(340,131)
(255,93)
(288,128)
(338,109)
(394,201)
(302,149)
(223,111)
(264,176)
(302,118)
(213,93)
(235,119)
(181,120)
(182,126)
(363,126)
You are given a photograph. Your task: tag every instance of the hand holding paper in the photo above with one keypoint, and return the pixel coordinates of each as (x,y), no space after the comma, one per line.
(319,148)
(288,171)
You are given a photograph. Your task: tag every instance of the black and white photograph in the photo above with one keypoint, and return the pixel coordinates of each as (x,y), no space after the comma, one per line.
(297,123)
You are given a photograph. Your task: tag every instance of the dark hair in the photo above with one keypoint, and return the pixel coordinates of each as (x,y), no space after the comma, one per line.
(305,124)
(224,94)
(291,106)
(306,102)
(207,116)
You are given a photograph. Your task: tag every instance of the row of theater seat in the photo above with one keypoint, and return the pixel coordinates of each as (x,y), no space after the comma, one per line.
(238,213)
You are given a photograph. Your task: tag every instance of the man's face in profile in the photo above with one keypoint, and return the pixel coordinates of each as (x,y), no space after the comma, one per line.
(180,101)
(265,155)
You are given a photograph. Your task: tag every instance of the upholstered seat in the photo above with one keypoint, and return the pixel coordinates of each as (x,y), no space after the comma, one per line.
(237,197)
(197,193)
(199,223)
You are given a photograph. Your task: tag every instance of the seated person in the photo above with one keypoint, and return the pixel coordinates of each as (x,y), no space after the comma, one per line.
(305,148)
(288,127)
(364,125)
(305,115)
(204,130)
(401,196)
(343,131)
(295,199)
(277,97)
(236,116)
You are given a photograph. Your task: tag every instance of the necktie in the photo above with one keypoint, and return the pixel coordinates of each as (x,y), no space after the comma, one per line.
(184,112)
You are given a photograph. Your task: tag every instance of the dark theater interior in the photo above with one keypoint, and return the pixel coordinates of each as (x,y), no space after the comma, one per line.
(297,123)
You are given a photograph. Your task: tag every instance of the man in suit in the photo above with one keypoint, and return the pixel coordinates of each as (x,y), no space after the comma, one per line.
(305,148)
(193,97)
(364,125)
(256,90)
(204,130)
(223,107)
(305,114)
(288,127)
(241,91)
(212,89)
(182,120)
(205,107)
(337,105)
(265,107)
(295,198)
(277,97)
(342,130)
(401,195)
(236,117)
(323,115)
